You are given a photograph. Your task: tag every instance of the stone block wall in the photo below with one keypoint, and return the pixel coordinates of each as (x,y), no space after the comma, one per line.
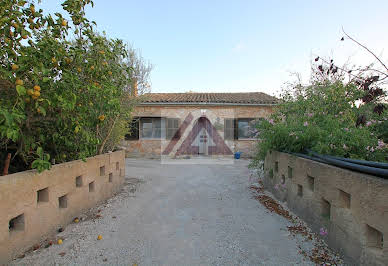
(34,205)
(352,206)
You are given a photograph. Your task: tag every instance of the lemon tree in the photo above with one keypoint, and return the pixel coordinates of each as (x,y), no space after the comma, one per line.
(62,84)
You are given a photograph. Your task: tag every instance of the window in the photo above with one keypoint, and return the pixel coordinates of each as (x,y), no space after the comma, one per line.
(152,127)
(245,128)
(133,130)
(241,128)
(172,126)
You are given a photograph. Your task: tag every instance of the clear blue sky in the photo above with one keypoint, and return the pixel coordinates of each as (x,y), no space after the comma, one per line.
(239,45)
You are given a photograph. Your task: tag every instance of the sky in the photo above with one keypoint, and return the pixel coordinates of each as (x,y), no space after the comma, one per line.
(240,45)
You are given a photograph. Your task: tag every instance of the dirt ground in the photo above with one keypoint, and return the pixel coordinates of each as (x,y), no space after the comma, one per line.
(177,214)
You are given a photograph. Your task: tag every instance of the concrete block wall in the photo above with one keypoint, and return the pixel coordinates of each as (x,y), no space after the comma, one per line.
(34,205)
(352,206)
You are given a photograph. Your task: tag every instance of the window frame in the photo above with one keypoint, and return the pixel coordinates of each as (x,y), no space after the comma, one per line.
(235,129)
(248,120)
(153,128)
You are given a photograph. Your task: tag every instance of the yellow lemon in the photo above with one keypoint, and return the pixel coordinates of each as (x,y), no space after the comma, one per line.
(37,88)
(19,82)
(15,67)
(101,118)
(37,93)
(30,92)
(99,237)
(76,220)
(60,241)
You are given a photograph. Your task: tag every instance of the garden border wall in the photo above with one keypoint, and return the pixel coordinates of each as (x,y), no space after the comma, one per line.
(34,205)
(352,206)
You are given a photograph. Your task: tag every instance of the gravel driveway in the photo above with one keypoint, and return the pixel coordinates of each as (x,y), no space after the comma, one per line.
(176,215)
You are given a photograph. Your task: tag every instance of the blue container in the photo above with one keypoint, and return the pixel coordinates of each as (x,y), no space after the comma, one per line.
(237,155)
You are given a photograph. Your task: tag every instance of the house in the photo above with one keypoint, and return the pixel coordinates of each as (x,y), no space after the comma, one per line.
(189,124)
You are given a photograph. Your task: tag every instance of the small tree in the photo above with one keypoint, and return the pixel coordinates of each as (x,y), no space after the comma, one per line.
(63,95)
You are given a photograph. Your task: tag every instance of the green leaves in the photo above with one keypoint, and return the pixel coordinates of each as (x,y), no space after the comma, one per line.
(67,84)
(42,163)
(320,117)
(21,90)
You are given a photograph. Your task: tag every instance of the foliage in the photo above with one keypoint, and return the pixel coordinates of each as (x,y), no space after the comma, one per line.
(63,86)
(141,71)
(323,117)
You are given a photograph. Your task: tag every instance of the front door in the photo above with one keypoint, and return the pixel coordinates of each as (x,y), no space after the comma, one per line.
(203,142)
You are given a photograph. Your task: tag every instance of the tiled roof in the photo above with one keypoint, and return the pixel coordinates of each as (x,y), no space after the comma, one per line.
(216,98)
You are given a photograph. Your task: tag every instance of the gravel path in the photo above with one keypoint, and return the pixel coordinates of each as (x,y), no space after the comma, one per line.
(176,215)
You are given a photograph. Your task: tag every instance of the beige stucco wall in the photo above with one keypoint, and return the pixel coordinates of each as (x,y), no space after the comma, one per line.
(19,196)
(153,148)
(358,204)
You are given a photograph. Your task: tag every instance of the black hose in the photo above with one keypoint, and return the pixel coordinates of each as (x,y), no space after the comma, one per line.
(356,167)
(307,157)
(362,162)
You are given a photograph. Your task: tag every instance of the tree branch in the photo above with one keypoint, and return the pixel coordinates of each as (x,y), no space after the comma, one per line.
(108,135)
(366,48)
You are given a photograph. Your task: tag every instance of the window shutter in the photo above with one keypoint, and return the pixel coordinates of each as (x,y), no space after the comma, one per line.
(177,123)
(229,128)
(172,126)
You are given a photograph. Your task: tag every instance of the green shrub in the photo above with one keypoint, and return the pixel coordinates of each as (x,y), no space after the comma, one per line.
(322,117)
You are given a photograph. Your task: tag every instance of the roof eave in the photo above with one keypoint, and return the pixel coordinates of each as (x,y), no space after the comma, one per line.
(208,104)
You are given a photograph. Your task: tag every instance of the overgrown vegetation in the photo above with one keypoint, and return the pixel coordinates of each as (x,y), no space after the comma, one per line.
(342,112)
(65,89)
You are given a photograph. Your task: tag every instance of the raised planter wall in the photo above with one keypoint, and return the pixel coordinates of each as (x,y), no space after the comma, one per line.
(353,207)
(33,205)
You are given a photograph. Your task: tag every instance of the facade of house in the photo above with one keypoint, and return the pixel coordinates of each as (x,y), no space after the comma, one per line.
(190,124)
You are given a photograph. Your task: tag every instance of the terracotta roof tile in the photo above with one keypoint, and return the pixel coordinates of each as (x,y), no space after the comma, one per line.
(220,98)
